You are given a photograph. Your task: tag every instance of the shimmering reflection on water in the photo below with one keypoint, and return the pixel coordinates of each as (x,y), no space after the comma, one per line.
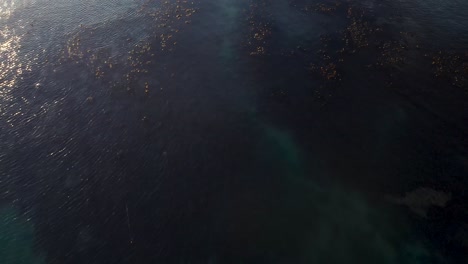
(10,67)
(230,131)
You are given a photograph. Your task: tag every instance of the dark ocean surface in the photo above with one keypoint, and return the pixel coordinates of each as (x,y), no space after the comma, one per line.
(247,131)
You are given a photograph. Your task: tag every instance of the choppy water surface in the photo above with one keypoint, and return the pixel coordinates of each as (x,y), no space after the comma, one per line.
(144,131)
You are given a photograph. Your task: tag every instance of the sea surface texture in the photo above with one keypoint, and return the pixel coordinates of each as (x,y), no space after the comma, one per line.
(233,131)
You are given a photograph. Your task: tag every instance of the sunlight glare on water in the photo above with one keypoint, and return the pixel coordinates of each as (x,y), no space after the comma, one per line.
(6,8)
(10,65)
(233,131)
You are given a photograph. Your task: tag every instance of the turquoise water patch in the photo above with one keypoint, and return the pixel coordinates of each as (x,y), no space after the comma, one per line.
(230,11)
(16,239)
(327,223)
(284,150)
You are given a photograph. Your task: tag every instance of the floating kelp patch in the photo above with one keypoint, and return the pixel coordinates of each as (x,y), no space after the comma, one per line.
(126,58)
(325,8)
(260,28)
(452,67)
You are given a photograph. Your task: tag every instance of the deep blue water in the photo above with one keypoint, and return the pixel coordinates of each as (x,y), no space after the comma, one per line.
(270,131)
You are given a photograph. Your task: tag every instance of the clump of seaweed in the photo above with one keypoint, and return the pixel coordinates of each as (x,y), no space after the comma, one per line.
(328,72)
(259,28)
(328,67)
(386,50)
(452,67)
(325,8)
(391,54)
(360,33)
(356,36)
(130,59)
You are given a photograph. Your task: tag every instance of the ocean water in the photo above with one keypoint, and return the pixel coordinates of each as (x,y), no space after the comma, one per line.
(269,131)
